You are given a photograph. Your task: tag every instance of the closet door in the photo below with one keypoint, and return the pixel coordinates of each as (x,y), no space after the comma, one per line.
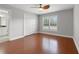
(30,24)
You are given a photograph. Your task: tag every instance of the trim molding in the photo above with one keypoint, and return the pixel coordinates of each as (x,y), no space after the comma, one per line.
(15,38)
(43,33)
(74,39)
(49,34)
(20,37)
(76,44)
(30,34)
(4,38)
(56,34)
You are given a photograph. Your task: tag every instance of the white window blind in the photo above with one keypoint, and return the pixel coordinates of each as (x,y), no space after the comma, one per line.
(50,23)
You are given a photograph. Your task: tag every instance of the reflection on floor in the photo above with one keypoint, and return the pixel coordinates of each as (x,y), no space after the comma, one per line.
(39,44)
(50,45)
(4,38)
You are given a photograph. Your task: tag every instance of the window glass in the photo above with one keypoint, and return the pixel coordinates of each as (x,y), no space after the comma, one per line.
(50,23)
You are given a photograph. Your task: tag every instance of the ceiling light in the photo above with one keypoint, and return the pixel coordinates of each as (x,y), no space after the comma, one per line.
(40,9)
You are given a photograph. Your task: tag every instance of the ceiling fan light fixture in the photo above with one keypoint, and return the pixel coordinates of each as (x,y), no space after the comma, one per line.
(41,9)
(46,7)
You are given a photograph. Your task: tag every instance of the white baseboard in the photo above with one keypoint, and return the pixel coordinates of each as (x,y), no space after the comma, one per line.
(65,36)
(57,34)
(4,38)
(76,44)
(20,37)
(30,34)
(16,38)
(49,34)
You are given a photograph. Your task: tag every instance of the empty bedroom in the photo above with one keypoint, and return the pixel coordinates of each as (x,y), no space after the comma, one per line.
(39,29)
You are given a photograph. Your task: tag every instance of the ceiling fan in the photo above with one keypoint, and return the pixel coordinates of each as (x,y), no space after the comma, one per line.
(42,6)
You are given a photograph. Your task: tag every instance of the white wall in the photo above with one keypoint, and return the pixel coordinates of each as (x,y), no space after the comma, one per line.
(76,26)
(17,20)
(30,24)
(22,24)
(64,23)
(16,24)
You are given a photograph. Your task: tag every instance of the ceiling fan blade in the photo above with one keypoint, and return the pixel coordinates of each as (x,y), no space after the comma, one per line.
(40,6)
(35,7)
(46,7)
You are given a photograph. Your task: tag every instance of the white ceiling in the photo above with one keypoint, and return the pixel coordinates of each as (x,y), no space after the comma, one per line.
(53,7)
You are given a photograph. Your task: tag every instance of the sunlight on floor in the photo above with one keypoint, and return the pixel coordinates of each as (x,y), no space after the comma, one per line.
(49,44)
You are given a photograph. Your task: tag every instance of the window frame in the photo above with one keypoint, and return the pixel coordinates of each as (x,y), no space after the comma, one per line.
(49,17)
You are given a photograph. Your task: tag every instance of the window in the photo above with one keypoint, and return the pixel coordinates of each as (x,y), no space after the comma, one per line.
(45,23)
(3,21)
(49,23)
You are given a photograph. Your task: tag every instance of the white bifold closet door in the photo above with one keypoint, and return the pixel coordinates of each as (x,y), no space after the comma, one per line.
(30,24)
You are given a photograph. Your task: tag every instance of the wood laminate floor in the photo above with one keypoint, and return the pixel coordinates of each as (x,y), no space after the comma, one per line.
(39,44)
